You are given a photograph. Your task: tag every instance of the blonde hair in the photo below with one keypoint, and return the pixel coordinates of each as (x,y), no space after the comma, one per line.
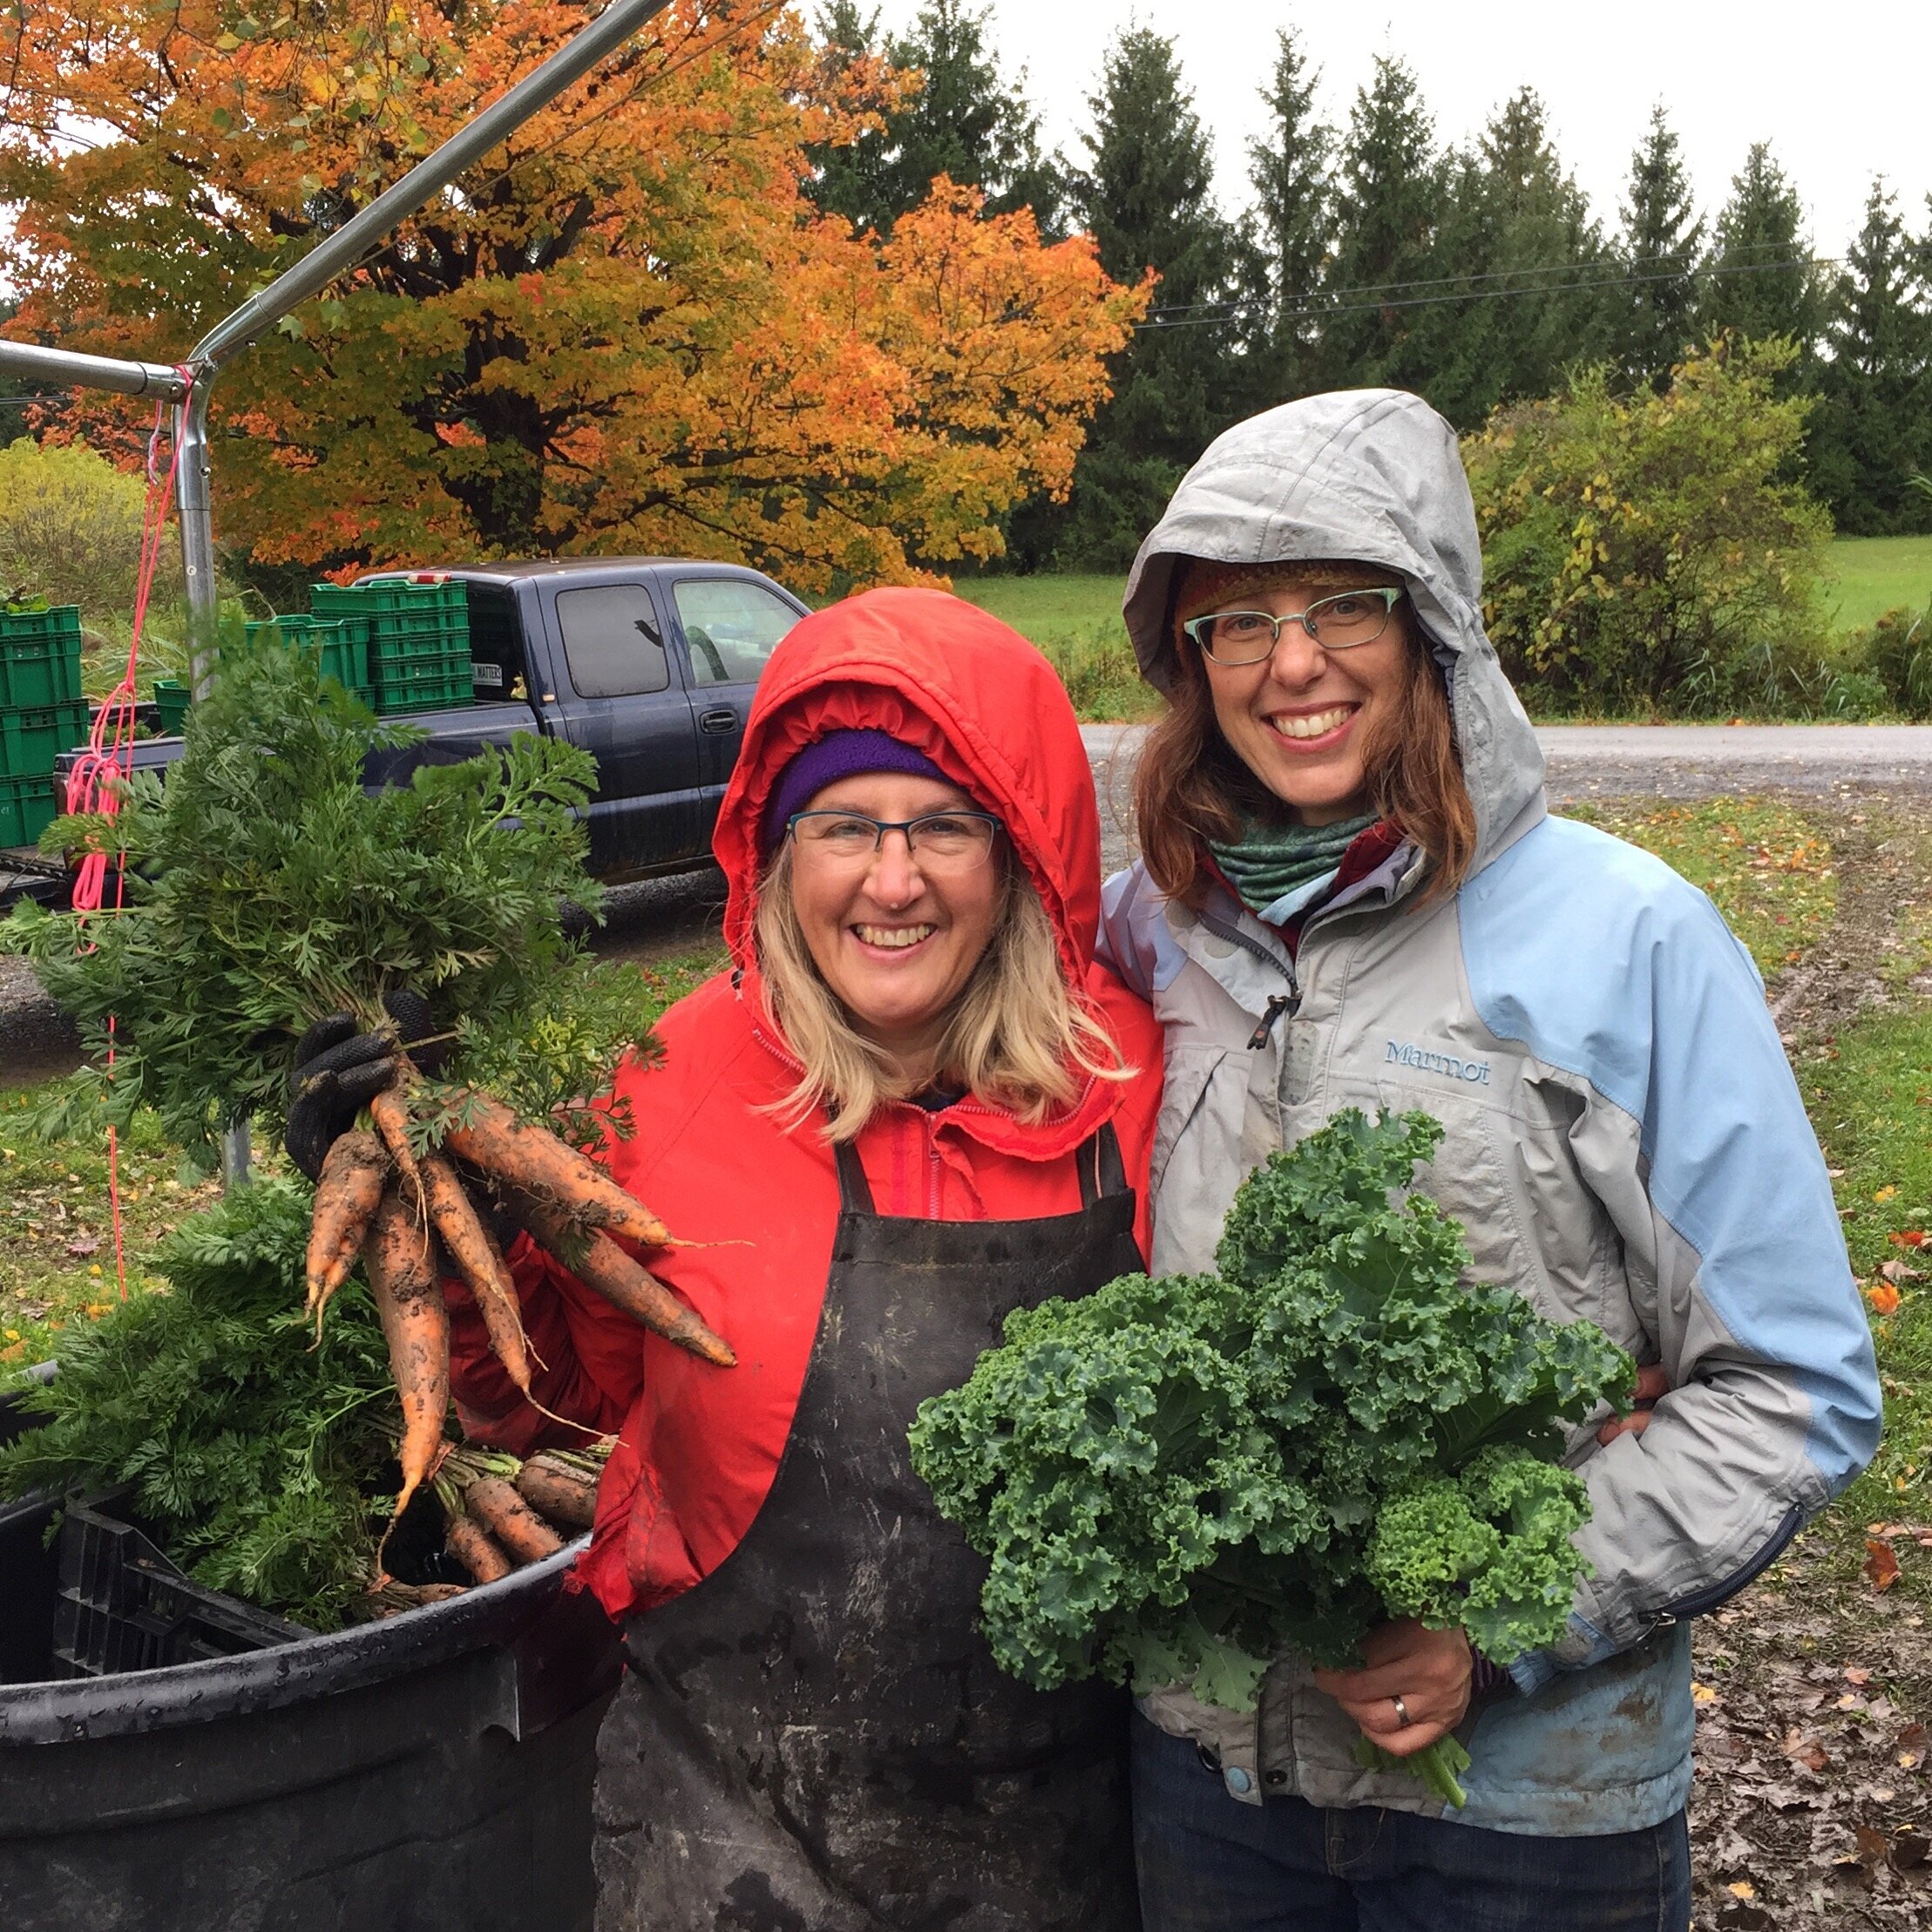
(1017,1037)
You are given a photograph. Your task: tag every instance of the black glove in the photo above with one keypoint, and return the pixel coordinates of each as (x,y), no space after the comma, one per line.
(339,1071)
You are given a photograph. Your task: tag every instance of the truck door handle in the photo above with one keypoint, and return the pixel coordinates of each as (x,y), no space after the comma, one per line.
(723,720)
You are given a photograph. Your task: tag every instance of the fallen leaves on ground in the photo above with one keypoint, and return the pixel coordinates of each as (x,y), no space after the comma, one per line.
(1812,1806)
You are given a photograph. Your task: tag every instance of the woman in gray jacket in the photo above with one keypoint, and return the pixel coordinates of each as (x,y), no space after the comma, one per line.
(1351,895)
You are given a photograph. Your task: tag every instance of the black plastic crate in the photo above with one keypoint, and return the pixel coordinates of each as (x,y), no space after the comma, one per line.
(123,1606)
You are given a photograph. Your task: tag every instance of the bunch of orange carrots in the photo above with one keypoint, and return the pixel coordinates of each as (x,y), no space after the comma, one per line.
(499,1514)
(406,1209)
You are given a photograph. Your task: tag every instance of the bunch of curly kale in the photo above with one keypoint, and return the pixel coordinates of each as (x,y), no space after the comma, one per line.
(1174,1479)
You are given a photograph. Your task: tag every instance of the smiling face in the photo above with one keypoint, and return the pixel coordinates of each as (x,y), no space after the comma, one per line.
(896,944)
(1299,718)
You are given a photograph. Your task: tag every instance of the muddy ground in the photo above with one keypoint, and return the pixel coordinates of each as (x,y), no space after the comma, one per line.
(1811,1810)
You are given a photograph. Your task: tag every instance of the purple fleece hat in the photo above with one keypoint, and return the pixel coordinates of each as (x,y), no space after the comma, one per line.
(839,755)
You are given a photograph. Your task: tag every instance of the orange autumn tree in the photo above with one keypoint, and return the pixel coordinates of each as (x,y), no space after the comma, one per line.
(627,329)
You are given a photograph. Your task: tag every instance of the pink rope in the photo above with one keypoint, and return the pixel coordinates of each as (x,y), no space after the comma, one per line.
(96,782)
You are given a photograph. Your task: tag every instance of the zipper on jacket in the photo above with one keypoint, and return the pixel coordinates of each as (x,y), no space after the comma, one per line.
(1278,1003)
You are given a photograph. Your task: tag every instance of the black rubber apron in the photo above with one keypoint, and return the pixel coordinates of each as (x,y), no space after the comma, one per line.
(816,1738)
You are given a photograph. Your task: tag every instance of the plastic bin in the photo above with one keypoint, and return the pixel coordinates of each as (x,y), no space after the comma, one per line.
(30,741)
(409,618)
(26,809)
(172,698)
(424,683)
(40,657)
(341,642)
(429,1774)
(123,1606)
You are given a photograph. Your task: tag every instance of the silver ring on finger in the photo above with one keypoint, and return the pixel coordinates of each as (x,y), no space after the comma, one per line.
(1402,1717)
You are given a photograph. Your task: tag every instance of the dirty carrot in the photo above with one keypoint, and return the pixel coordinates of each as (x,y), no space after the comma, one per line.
(534,1159)
(346,1197)
(514,1527)
(558,1493)
(391,1117)
(416,1326)
(470,1544)
(480,1265)
(600,1265)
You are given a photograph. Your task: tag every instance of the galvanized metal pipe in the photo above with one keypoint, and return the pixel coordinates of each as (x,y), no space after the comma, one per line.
(344,248)
(67,369)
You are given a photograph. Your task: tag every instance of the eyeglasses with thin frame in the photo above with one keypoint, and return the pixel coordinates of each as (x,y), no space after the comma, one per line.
(1342,622)
(939,840)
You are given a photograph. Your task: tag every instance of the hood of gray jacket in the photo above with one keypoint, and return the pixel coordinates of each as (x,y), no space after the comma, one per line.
(1373,476)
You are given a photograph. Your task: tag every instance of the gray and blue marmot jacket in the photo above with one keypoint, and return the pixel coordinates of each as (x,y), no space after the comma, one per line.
(1624,1142)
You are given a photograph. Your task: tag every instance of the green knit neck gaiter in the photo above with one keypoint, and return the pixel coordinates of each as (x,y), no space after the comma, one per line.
(1268,862)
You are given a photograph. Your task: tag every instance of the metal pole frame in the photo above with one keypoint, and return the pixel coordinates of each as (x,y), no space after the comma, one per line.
(237,332)
(329,258)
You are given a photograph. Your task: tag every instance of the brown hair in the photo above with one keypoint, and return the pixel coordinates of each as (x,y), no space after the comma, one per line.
(1190,787)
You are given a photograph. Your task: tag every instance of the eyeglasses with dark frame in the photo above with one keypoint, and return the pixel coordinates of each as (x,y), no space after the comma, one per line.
(1342,622)
(940,841)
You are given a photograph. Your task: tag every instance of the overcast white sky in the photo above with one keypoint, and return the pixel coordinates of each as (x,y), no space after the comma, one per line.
(1842,92)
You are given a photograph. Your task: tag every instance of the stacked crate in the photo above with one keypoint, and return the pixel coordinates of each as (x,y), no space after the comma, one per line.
(172,698)
(41,712)
(417,630)
(342,643)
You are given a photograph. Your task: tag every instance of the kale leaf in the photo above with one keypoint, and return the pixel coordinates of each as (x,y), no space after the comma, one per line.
(1173,1480)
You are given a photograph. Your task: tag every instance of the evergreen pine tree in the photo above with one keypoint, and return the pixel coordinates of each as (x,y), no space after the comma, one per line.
(1522,265)
(1760,280)
(1872,428)
(1146,197)
(1285,238)
(964,122)
(849,178)
(1658,311)
(1389,198)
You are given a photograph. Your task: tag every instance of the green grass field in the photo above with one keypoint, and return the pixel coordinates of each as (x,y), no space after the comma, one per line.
(1076,619)
(1868,576)
(1871,575)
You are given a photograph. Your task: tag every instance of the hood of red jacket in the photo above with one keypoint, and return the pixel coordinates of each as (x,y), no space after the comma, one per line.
(967,690)
(986,707)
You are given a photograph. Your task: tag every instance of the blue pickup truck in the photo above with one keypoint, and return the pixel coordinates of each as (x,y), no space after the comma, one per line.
(647,662)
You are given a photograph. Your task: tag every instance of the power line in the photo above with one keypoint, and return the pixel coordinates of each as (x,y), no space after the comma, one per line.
(1496,274)
(1315,306)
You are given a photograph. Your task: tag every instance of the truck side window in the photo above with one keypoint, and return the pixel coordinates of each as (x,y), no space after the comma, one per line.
(496,640)
(611,641)
(732,628)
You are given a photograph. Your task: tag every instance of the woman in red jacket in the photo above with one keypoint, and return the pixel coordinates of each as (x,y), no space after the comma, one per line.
(912,1105)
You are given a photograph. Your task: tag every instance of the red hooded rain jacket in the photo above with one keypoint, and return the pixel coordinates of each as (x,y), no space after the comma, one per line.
(698,1447)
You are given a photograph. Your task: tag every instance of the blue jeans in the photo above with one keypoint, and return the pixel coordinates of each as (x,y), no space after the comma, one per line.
(1209,1863)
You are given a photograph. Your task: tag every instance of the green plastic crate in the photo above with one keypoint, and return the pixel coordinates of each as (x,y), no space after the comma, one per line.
(392,597)
(30,741)
(173,697)
(26,809)
(40,657)
(343,643)
(425,684)
(37,622)
(405,619)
